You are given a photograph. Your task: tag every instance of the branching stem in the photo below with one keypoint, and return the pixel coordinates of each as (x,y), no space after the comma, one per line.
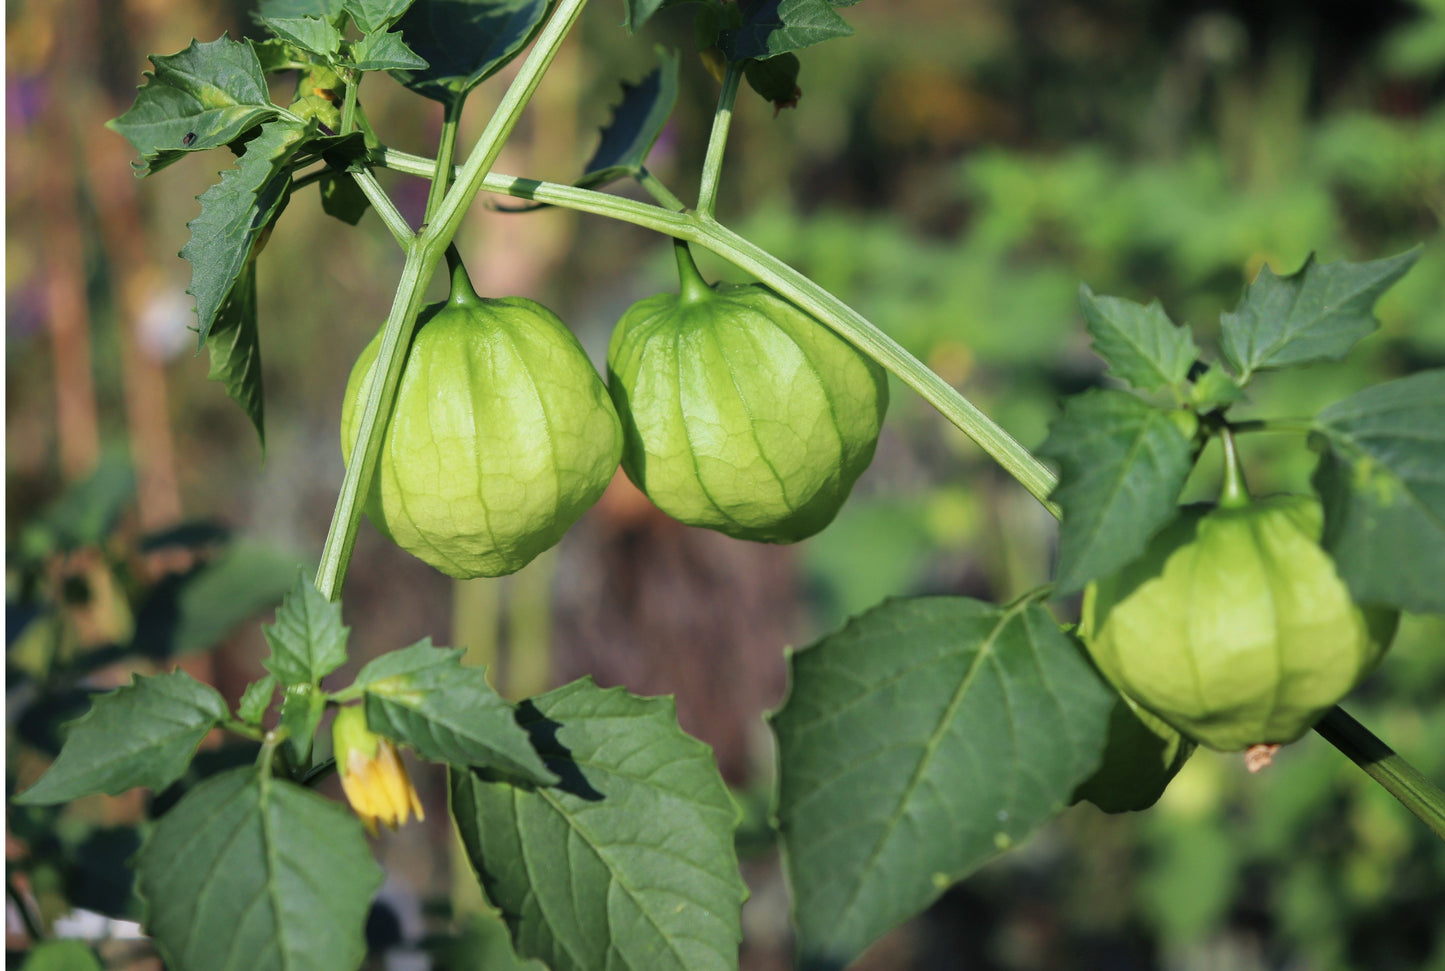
(717,141)
(1398,777)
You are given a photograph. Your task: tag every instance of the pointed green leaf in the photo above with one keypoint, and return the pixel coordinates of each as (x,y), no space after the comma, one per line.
(1382,481)
(1122,466)
(276,56)
(422,696)
(464,42)
(1317,313)
(234,343)
(1215,388)
(256,699)
(235,213)
(385,51)
(302,706)
(257,873)
(772,27)
(629,861)
(372,16)
(919,741)
(635,124)
(313,34)
(307,641)
(62,956)
(143,734)
(206,96)
(1141,345)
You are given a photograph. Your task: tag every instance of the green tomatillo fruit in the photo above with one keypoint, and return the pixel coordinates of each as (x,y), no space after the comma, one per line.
(1234,626)
(740,412)
(502,435)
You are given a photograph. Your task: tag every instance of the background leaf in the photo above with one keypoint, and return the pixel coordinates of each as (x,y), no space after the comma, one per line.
(376,15)
(422,696)
(385,51)
(257,873)
(917,742)
(629,862)
(1141,345)
(466,41)
(1122,465)
(206,96)
(1317,313)
(62,956)
(235,212)
(314,34)
(331,10)
(308,640)
(1382,481)
(772,27)
(143,734)
(636,124)
(234,343)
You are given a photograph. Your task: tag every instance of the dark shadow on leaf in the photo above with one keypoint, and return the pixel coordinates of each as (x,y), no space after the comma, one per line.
(206,764)
(554,753)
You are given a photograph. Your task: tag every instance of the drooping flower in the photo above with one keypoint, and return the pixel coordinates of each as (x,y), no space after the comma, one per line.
(372,774)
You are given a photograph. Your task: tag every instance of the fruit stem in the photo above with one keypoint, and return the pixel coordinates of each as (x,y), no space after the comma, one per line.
(1380,762)
(694,287)
(1235,492)
(463,293)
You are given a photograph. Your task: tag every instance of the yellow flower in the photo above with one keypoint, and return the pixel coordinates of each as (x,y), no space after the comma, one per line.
(372,774)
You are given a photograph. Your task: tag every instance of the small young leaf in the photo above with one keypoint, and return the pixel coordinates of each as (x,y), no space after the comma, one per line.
(308,640)
(206,96)
(256,699)
(376,15)
(1215,388)
(776,79)
(234,343)
(312,34)
(1317,313)
(254,872)
(302,706)
(143,734)
(773,27)
(916,743)
(464,42)
(385,51)
(235,214)
(1123,463)
(635,124)
(422,696)
(1141,345)
(275,56)
(1382,481)
(62,956)
(342,198)
(629,862)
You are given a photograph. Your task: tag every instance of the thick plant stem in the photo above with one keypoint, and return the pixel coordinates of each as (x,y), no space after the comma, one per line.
(423,254)
(385,208)
(717,141)
(1398,777)
(446,147)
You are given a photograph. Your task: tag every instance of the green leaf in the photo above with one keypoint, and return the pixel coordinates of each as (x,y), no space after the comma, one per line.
(1141,345)
(1317,313)
(916,743)
(193,611)
(465,42)
(385,52)
(235,214)
(635,124)
(86,513)
(307,641)
(275,56)
(1214,389)
(372,16)
(422,696)
(256,699)
(313,34)
(1122,466)
(206,96)
(62,956)
(331,10)
(342,198)
(629,862)
(776,80)
(1382,481)
(302,706)
(253,872)
(143,734)
(635,13)
(234,343)
(773,27)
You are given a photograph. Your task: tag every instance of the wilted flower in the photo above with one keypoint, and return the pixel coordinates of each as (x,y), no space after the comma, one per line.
(372,774)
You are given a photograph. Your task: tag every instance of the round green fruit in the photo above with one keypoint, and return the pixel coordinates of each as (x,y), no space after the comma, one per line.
(741,413)
(502,435)
(1234,626)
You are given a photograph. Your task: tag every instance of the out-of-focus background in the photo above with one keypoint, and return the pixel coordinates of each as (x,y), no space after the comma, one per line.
(954,171)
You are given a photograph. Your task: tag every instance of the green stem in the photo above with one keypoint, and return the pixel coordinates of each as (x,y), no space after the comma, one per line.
(423,254)
(660,192)
(348,107)
(390,215)
(694,288)
(1398,777)
(1234,494)
(1288,426)
(442,173)
(717,141)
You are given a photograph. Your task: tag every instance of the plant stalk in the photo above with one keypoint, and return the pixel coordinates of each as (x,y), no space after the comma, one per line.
(446,147)
(1398,777)
(717,141)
